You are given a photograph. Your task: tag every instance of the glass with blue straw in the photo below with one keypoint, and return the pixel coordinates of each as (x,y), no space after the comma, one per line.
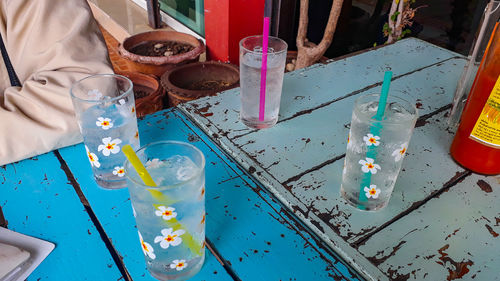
(380,132)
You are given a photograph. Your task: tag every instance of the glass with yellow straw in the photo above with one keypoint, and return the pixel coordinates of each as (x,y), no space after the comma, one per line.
(168,197)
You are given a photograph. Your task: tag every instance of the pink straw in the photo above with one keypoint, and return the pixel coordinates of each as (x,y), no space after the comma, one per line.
(263,72)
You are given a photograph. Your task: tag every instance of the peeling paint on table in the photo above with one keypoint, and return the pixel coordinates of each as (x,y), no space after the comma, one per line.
(300,161)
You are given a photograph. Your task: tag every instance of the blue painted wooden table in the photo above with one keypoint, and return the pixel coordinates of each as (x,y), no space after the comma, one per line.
(250,234)
(442,223)
(272,196)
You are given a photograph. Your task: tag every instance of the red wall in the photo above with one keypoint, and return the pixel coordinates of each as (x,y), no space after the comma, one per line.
(229,21)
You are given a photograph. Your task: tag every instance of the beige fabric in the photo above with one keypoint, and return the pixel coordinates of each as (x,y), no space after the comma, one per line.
(51,44)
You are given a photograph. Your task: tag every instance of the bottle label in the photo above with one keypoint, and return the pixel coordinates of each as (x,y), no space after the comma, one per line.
(487,128)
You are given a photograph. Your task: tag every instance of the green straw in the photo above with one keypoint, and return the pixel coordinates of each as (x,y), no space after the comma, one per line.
(375,130)
(148,180)
(382,102)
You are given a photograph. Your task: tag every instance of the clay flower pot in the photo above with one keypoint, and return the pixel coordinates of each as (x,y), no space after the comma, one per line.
(192,81)
(147,91)
(157,65)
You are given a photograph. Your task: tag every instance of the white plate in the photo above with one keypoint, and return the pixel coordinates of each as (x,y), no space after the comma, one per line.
(39,250)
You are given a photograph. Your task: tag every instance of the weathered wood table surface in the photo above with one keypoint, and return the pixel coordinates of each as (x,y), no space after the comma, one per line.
(442,222)
(250,235)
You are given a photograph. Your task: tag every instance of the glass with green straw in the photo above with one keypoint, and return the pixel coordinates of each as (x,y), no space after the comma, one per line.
(166,181)
(380,132)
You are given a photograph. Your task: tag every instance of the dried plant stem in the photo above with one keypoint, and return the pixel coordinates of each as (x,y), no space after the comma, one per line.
(308,52)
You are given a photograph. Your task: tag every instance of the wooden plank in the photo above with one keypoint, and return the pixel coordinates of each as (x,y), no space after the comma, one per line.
(301,158)
(113,209)
(267,235)
(453,236)
(315,196)
(246,227)
(319,85)
(37,200)
(317,137)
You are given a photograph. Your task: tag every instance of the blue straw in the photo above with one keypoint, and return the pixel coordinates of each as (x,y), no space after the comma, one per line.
(375,130)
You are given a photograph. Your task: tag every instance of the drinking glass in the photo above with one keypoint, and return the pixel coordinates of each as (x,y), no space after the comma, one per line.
(250,80)
(375,150)
(105,110)
(170,216)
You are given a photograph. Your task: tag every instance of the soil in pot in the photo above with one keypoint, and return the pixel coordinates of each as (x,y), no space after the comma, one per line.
(196,80)
(214,85)
(184,49)
(147,92)
(160,48)
(141,91)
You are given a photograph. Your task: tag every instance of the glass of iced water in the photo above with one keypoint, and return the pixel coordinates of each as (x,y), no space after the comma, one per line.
(375,150)
(250,77)
(171,216)
(105,110)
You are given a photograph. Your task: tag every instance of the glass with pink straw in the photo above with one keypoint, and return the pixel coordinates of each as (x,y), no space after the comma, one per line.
(262,65)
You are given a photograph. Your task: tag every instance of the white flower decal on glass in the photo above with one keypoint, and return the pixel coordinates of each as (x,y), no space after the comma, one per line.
(147,248)
(371,140)
(104,123)
(369,166)
(169,238)
(154,163)
(372,192)
(94,160)
(109,146)
(178,264)
(119,171)
(94,94)
(167,213)
(400,152)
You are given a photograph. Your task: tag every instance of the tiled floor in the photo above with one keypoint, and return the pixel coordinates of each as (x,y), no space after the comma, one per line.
(119,64)
(126,14)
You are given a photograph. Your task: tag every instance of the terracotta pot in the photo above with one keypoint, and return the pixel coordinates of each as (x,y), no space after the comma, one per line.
(178,82)
(147,91)
(158,65)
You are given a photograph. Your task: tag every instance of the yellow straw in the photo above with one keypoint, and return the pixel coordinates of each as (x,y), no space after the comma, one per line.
(137,164)
(148,180)
(143,173)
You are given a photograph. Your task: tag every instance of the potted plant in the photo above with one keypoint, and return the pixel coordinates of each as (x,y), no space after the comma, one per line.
(156,51)
(195,80)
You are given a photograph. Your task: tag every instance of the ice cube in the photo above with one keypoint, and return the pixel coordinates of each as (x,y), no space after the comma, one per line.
(185,173)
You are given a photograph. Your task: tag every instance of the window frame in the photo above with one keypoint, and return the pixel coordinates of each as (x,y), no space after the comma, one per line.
(170,21)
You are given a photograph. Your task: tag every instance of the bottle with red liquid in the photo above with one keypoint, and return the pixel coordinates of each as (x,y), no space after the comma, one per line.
(476,145)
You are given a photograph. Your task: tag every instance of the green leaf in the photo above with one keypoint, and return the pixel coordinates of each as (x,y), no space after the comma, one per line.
(386,28)
(405,32)
(394,16)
